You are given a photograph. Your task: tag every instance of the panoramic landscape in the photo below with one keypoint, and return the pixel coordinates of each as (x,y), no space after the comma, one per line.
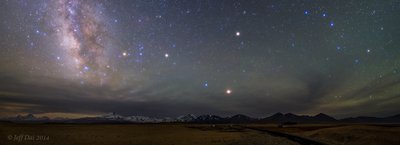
(278,129)
(199,72)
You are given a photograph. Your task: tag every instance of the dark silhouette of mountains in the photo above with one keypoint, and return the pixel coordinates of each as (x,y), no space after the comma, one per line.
(279,118)
(366,119)
(209,119)
(240,118)
(289,117)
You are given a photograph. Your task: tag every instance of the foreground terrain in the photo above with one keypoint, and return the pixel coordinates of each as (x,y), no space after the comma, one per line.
(184,134)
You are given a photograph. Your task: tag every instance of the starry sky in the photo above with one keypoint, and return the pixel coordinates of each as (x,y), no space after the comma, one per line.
(172,57)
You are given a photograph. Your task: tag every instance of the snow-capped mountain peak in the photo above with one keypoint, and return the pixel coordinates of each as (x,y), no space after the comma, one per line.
(112,116)
(186,118)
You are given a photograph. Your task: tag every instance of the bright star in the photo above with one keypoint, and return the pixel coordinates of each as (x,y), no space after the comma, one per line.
(124,54)
(237,33)
(166,55)
(228,91)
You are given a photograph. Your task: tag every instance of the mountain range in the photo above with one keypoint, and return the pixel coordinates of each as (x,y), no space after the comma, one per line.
(210,119)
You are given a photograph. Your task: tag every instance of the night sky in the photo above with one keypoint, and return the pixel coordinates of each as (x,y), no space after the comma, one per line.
(223,57)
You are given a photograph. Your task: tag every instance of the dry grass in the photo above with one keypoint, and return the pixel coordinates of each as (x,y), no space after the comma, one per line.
(343,134)
(357,135)
(181,134)
(131,134)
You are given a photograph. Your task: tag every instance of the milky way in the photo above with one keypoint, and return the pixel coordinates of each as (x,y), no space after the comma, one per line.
(81,33)
(223,57)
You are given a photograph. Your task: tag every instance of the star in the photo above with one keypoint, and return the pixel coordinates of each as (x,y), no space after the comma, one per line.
(228,91)
(237,33)
(86,68)
(166,55)
(331,24)
(124,54)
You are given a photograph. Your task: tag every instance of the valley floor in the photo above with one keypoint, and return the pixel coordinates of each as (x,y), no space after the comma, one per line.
(195,134)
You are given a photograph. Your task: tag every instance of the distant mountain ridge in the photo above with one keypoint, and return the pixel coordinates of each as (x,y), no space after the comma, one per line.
(207,119)
(289,117)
